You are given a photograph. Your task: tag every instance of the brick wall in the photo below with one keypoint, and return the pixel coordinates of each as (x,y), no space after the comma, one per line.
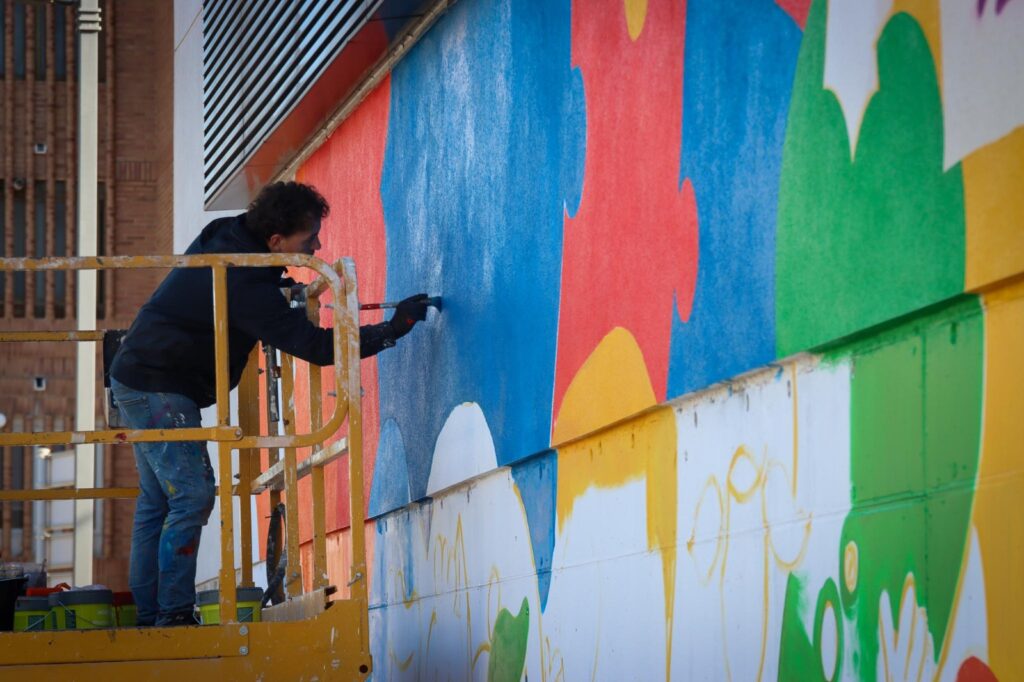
(136,97)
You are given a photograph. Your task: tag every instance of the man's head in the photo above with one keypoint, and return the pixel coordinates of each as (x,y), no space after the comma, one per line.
(287,216)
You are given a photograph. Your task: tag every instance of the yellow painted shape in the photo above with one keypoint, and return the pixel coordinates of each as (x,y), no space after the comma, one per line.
(994,204)
(640,449)
(993,177)
(745,477)
(706,572)
(612,384)
(636,14)
(999,498)
(851,565)
(926,13)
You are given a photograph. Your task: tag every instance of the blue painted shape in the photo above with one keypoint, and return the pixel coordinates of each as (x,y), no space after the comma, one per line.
(537,480)
(484,156)
(390,488)
(738,75)
(394,531)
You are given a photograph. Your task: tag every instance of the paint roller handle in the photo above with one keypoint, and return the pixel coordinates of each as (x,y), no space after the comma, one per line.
(432,301)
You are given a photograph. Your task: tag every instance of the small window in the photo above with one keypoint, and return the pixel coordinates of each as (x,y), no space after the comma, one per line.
(101,46)
(3,38)
(3,486)
(40,46)
(60,246)
(101,248)
(39,250)
(19,252)
(19,40)
(60,48)
(3,252)
(17,454)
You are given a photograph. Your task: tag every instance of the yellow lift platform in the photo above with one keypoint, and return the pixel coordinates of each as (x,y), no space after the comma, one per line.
(308,636)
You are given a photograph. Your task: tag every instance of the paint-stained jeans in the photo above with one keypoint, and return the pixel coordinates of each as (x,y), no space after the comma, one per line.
(176,494)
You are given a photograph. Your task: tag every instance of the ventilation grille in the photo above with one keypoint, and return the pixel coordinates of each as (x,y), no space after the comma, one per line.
(259,58)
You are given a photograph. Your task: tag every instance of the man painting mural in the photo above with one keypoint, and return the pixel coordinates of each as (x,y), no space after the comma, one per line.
(164,373)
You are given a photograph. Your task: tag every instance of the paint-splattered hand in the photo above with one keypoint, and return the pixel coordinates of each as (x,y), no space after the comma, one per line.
(407,313)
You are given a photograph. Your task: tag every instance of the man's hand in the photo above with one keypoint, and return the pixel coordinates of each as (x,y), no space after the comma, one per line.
(408,312)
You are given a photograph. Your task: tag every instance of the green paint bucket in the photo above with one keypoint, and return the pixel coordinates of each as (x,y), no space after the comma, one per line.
(81,609)
(30,614)
(247,601)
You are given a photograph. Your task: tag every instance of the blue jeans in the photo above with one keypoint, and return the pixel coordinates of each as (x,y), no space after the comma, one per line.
(176,494)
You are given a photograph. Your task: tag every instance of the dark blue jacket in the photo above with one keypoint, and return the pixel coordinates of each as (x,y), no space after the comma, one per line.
(169,347)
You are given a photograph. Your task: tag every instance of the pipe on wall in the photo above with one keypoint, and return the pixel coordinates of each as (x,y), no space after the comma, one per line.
(89,24)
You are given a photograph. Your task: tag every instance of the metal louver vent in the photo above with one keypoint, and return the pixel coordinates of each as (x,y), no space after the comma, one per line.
(259,58)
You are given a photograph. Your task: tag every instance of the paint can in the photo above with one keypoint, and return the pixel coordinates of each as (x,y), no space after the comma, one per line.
(81,609)
(247,605)
(30,614)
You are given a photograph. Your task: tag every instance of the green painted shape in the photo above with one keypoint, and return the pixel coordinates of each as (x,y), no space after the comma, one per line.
(915,424)
(859,243)
(798,661)
(886,401)
(800,657)
(954,370)
(508,645)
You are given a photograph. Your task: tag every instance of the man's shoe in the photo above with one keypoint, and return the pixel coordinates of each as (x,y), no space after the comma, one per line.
(175,619)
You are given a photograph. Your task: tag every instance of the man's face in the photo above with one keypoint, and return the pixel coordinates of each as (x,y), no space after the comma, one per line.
(303,241)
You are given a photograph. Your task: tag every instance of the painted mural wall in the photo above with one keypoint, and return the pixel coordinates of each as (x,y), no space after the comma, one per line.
(726,385)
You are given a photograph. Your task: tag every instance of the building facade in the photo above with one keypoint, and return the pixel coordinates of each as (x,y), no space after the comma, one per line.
(38,211)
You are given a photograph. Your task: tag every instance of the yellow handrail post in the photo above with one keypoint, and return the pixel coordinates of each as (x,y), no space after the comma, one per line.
(319,567)
(227,515)
(273,454)
(350,322)
(293,578)
(249,422)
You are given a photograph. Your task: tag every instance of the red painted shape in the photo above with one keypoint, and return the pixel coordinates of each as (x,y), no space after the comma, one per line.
(797,9)
(347,170)
(975,670)
(632,246)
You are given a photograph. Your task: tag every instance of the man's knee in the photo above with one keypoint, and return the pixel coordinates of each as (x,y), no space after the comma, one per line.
(192,502)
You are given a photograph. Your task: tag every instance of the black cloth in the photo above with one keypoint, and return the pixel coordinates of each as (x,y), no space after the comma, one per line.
(169,347)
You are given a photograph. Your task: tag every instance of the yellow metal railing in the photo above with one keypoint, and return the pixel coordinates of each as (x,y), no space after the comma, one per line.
(282,475)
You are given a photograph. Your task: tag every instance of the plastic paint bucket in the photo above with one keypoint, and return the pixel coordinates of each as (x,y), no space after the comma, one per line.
(30,614)
(81,609)
(247,602)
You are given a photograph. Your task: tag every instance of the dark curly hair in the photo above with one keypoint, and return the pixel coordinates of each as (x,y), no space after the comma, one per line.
(285,208)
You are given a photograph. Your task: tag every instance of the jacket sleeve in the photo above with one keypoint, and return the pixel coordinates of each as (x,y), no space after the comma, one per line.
(257,308)
(263,313)
(373,338)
